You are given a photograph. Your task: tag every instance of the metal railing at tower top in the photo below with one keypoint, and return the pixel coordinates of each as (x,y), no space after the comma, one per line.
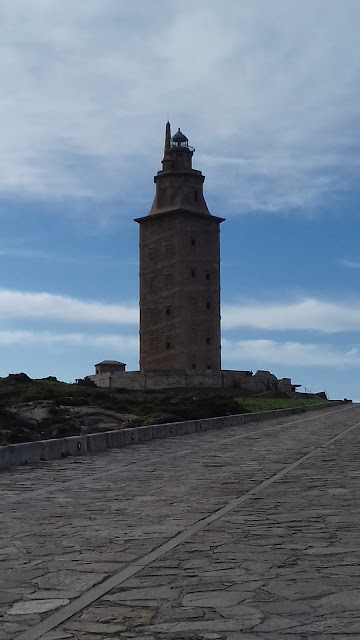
(181,145)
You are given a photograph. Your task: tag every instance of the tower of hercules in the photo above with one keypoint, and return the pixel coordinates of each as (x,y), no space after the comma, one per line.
(179,269)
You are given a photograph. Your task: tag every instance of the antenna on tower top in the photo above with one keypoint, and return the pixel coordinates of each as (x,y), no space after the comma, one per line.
(167,136)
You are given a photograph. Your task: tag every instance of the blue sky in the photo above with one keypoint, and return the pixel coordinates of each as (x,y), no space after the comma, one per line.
(267,92)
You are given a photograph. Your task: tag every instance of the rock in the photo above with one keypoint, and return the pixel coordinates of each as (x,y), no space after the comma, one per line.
(154,593)
(298,589)
(69,580)
(19,377)
(36,606)
(6,597)
(111,619)
(49,595)
(57,635)
(96,627)
(199,628)
(277,623)
(213,599)
(341,601)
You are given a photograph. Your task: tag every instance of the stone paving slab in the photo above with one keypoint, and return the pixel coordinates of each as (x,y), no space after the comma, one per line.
(285,561)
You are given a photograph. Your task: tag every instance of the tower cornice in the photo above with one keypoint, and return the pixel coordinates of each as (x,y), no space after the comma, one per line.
(180,211)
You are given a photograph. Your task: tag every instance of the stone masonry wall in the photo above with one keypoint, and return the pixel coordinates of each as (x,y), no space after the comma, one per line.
(261,381)
(179,292)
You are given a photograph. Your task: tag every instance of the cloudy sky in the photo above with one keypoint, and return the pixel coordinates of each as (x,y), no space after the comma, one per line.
(267,92)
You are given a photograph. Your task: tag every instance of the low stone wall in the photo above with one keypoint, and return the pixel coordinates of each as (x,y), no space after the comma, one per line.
(34,452)
(246,380)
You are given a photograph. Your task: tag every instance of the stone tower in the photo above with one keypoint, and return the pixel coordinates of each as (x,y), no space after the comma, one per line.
(179,269)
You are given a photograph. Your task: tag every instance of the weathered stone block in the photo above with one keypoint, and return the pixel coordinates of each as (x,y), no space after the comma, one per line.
(115,439)
(131,436)
(249,417)
(185,428)
(284,385)
(51,449)
(163,430)
(145,433)
(208,424)
(75,446)
(192,426)
(4,457)
(24,453)
(221,422)
(96,442)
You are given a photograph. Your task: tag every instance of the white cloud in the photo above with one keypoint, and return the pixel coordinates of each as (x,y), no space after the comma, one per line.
(19,304)
(268,352)
(254,353)
(306,314)
(301,315)
(128,344)
(268,93)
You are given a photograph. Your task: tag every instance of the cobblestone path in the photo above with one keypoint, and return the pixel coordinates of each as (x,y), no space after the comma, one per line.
(249,533)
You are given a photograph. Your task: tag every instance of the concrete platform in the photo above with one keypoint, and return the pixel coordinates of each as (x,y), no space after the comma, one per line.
(247,533)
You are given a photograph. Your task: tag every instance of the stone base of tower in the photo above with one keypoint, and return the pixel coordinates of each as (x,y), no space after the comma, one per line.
(261,381)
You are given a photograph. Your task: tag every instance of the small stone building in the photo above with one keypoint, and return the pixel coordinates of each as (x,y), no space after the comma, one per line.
(109,366)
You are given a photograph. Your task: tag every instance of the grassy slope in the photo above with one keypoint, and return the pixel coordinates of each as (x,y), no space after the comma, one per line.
(148,407)
(266,403)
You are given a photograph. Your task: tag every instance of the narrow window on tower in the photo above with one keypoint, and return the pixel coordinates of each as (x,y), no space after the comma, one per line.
(193,273)
(207,275)
(167,345)
(167,311)
(208,340)
(193,243)
(208,306)
(209,366)
(194,366)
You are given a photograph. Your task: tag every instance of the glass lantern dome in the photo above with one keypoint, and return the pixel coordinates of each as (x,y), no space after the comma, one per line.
(179,140)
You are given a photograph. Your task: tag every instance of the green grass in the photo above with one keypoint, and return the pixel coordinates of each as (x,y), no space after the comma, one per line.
(259,403)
